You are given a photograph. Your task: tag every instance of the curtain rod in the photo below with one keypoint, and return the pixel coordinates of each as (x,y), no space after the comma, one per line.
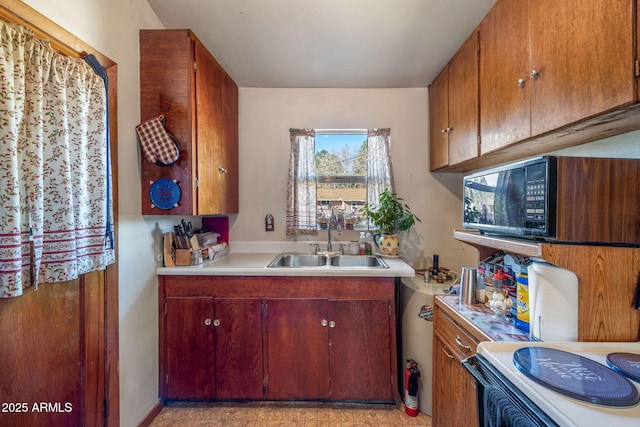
(341,131)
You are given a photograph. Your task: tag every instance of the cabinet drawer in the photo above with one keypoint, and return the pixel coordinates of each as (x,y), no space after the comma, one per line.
(457,339)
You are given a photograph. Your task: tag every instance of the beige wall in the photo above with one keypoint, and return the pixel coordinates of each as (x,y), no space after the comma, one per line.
(265,118)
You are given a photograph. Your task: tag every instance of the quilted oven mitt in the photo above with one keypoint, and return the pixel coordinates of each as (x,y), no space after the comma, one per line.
(158,146)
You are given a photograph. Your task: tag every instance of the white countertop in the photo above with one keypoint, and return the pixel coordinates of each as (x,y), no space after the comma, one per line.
(255,264)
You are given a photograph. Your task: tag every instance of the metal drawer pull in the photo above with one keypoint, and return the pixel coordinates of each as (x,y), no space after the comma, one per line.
(324,322)
(216,322)
(207,322)
(444,350)
(332,324)
(466,347)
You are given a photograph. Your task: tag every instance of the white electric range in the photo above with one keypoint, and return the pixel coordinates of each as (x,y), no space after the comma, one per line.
(564,410)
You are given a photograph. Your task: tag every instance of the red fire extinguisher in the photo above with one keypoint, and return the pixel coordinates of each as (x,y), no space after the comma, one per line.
(411,388)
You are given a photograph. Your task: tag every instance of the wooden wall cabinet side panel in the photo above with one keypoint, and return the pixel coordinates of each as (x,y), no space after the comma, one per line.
(504,60)
(439,121)
(166,88)
(298,355)
(360,361)
(607,278)
(189,348)
(463,102)
(607,189)
(584,52)
(238,348)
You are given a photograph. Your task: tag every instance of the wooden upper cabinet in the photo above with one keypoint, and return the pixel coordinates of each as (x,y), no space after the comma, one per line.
(182,81)
(504,75)
(546,64)
(584,54)
(453,109)
(463,102)
(439,121)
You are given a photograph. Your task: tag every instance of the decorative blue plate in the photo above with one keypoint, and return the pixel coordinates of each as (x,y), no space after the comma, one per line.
(576,376)
(164,193)
(627,364)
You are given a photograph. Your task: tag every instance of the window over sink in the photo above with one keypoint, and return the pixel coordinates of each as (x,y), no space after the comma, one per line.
(333,174)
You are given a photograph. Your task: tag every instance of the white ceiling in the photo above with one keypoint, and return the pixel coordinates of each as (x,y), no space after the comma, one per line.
(328,43)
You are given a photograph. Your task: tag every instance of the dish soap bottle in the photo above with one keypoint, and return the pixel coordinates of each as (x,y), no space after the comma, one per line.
(369,244)
(363,244)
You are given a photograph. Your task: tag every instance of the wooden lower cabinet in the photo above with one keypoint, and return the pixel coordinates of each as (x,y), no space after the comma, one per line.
(213,348)
(277,338)
(454,392)
(340,348)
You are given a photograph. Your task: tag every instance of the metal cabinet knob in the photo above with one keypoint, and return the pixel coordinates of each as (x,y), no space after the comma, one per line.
(324,322)
(216,322)
(207,322)
(460,344)
(521,83)
(332,324)
(445,130)
(534,75)
(222,170)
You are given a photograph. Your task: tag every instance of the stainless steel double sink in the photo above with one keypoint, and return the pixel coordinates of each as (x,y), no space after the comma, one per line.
(293,260)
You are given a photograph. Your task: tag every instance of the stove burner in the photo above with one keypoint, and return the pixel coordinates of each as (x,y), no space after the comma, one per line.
(576,376)
(627,364)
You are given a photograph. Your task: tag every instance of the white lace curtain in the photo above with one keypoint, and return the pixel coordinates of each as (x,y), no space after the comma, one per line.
(379,170)
(301,190)
(53,165)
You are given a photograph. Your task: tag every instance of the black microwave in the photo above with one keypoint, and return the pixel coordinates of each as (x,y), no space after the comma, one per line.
(518,199)
(558,200)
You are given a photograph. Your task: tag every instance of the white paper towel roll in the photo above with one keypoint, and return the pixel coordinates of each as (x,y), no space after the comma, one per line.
(553,300)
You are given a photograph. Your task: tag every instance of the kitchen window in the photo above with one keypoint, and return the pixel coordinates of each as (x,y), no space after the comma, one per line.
(332,174)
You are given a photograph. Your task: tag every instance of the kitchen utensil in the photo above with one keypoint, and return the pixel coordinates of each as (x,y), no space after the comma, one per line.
(187,228)
(468,285)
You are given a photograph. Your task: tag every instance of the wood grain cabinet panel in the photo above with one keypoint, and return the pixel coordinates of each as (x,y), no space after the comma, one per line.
(453,109)
(339,347)
(278,338)
(182,81)
(213,348)
(548,64)
(454,402)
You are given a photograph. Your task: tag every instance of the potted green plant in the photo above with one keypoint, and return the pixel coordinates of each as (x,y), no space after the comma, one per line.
(391,216)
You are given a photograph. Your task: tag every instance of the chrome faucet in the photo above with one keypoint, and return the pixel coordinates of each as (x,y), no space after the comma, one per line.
(332,222)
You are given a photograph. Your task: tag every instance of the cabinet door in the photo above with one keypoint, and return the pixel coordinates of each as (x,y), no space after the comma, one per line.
(359,341)
(298,357)
(238,348)
(190,362)
(454,401)
(463,102)
(229,174)
(439,121)
(208,125)
(584,53)
(504,60)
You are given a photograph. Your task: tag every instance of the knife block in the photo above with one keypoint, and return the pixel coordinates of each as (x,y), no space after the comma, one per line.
(183,256)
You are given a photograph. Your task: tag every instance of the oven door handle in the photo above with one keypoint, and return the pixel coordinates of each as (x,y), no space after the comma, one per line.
(469,364)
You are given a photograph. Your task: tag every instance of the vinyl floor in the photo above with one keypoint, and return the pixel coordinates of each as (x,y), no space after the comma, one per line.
(271,414)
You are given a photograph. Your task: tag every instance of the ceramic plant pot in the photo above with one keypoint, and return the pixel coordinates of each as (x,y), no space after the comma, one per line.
(387,243)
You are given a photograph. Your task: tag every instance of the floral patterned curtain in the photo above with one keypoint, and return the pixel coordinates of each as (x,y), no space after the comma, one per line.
(379,170)
(301,190)
(53,165)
